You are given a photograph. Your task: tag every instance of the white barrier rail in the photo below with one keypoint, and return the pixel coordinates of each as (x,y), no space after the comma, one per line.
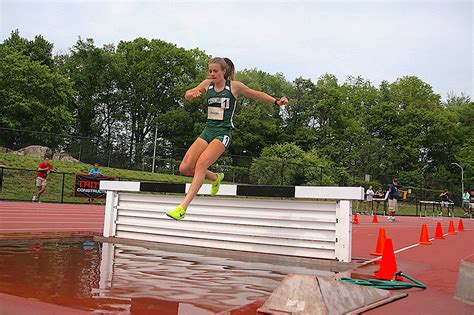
(296,227)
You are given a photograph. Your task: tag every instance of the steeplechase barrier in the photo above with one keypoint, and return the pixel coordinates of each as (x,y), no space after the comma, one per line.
(303,221)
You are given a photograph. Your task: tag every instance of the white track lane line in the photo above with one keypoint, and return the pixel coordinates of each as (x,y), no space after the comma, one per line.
(402,249)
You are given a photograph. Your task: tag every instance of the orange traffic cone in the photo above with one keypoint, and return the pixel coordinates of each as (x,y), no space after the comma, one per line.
(460,225)
(439,231)
(388,267)
(380,243)
(451,230)
(424,239)
(355,220)
(374,219)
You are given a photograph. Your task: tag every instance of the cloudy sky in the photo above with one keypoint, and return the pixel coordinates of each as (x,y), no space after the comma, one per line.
(376,39)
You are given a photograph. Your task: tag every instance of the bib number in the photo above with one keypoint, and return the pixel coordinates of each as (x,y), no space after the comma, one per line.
(224,102)
(215,113)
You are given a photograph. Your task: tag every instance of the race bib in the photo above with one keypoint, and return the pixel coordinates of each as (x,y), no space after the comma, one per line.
(215,113)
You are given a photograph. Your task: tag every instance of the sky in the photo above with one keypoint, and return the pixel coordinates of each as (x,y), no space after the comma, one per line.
(376,39)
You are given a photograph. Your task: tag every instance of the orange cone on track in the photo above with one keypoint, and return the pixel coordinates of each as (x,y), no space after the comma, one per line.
(355,220)
(460,225)
(424,238)
(374,219)
(451,230)
(388,266)
(380,243)
(439,232)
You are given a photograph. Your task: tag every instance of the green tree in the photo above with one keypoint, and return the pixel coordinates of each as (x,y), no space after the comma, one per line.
(96,107)
(32,97)
(151,77)
(298,120)
(258,123)
(462,108)
(38,49)
(407,120)
(288,164)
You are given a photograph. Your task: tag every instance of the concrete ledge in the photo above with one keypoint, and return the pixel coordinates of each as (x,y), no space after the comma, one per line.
(465,282)
(311,295)
(312,263)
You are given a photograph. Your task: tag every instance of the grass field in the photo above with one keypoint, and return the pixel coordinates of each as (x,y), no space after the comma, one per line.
(19,182)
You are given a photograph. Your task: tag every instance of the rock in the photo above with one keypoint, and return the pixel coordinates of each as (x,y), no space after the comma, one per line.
(63,156)
(5,150)
(35,151)
(42,152)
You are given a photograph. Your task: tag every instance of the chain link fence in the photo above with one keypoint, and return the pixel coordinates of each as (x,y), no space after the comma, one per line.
(166,159)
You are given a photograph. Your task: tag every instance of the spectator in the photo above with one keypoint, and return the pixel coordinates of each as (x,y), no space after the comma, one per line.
(392,200)
(1,175)
(465,201)
(44,168)
(471,202)
(96,173)
(370,199)
(95,170)
(445,201)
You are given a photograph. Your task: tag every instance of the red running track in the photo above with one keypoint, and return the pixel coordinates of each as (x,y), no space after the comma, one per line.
(25,217)
(436,265)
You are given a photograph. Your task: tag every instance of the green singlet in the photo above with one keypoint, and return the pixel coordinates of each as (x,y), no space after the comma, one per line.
(220,110)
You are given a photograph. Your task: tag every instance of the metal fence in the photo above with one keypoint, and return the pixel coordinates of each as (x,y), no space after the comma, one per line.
(18,184)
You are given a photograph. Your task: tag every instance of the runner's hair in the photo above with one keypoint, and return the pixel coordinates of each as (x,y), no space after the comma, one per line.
(227,65)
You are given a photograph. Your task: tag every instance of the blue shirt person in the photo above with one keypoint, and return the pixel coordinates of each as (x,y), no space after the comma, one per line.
(95,171)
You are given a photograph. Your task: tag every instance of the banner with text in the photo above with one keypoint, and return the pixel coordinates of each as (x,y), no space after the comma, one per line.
(87,186)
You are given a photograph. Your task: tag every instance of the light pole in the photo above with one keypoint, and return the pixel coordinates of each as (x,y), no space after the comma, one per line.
(462,177)
(154,151)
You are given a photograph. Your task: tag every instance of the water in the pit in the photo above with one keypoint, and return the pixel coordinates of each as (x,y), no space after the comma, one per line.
(108,278)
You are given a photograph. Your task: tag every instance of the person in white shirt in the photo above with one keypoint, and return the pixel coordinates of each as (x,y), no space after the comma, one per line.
(369,194)
(465,201)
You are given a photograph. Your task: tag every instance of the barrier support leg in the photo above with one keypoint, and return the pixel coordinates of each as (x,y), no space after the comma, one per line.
(343,231)
(110,213)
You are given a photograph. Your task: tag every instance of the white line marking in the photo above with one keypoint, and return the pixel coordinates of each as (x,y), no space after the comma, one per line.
(402,249)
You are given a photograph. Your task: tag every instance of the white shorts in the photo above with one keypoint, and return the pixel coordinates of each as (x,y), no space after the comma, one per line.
(40,181)
(392,205)
(445,204)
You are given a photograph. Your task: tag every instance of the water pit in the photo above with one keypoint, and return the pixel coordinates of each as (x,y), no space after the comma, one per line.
(103,277)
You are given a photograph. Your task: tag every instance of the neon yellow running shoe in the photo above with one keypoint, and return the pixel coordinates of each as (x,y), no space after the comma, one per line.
(217,184)
(177,213)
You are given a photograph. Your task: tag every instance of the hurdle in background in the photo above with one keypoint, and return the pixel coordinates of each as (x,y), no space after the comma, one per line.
(304,226)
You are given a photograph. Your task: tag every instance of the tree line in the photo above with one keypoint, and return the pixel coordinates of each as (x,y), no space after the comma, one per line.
(115,98)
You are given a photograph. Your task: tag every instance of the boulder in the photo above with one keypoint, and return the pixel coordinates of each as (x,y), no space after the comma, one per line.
(5,150)
(64,157)
(42,152)
(35,151)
